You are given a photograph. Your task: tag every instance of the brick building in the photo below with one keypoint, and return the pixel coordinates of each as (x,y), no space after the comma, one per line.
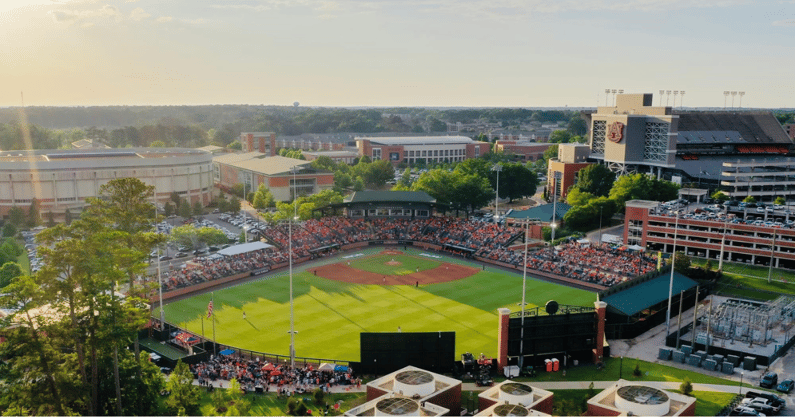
(254,168)
(427,149)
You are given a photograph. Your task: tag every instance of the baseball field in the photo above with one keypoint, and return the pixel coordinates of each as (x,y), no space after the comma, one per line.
(370,290)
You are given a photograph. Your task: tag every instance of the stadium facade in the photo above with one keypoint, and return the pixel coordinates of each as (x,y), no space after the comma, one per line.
(61,180)
(744,153)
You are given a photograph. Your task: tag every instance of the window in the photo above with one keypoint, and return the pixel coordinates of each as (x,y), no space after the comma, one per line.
(376,154)
(394,156)
(357,213)
(422,213)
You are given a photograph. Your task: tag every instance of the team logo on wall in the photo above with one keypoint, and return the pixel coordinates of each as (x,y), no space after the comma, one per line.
(615,132)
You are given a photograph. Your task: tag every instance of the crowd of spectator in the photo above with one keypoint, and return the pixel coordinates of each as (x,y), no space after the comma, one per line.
(256,375)
(600,264)
(597,264)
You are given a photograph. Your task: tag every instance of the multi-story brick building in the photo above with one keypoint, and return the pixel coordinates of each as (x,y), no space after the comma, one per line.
(427,149)
(277,173)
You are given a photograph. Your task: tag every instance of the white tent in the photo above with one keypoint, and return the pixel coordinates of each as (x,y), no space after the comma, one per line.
(326,367)
(243,248)
(636,248)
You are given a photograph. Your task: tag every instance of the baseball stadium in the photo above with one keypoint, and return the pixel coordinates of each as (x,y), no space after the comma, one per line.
(387,274)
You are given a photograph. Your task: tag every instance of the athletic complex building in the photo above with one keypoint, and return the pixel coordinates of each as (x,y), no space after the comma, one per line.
(743,153)
(62,180)
(428,149)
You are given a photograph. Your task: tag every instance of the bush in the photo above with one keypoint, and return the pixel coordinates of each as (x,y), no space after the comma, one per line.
(686,387)
(637,372)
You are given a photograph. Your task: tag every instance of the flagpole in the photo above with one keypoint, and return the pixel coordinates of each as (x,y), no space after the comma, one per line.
(202,317)
(215,346)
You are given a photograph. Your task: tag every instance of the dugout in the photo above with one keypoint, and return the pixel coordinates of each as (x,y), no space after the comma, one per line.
(385,204)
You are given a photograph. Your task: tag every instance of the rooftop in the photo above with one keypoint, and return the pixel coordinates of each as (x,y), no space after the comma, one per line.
(419,140)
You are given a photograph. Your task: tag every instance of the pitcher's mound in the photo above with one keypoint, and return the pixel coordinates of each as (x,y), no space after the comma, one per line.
(394,263)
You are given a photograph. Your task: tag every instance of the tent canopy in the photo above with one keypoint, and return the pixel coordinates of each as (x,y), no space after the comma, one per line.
(226,352)
(326,367)
(243,248)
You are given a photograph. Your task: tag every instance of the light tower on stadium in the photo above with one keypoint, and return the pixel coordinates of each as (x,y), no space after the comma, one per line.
(497,168)
(294,170)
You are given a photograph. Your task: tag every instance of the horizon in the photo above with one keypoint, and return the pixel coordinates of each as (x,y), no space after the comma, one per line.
(391,54)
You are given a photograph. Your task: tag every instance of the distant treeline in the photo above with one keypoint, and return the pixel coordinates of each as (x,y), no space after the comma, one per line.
(193,126)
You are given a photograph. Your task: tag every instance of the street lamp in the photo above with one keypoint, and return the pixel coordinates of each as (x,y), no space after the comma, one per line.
(741,382)
(553,226)
(621,368)
(294,169)
(497,168)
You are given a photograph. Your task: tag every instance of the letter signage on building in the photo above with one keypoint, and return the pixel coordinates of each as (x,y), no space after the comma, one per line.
(615,132)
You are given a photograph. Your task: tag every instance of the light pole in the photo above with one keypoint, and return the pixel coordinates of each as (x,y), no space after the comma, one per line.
(621,369)
(497,168)
(553,225)
(601,210)
(741,381)
(671,283)
(524,288)
(159,276)
(294,169)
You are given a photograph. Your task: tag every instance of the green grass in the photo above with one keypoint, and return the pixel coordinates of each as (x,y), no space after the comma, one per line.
(408,264)
(612,371)
(22,259)
(747,281)
(271,405)
(708,403)
(751,271)
(329,315)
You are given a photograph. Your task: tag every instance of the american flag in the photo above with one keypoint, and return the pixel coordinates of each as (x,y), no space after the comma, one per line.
(210,309)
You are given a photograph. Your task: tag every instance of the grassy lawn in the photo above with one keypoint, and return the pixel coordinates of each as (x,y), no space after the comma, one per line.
(747,281)
(612,370)
(271,405)
(329,315)
(22,260)
(572,401)
(408,264)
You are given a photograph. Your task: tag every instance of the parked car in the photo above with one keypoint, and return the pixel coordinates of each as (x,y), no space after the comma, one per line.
(166,258)
(774,399)
(769,380)
(759,404)
(181,255)
(785,386)
(745,411)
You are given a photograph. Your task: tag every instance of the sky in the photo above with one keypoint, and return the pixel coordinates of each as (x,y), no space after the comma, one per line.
(424,53)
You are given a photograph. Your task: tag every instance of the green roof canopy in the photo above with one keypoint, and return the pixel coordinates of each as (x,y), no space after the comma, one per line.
(640,297)
(390,196)
(543,212)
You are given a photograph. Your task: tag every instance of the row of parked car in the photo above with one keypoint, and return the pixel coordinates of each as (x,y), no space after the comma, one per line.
(759,404)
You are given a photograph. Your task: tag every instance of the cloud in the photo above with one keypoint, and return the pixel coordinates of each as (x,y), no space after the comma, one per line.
(164,19)
(786,22)
(68,16)
(138,14)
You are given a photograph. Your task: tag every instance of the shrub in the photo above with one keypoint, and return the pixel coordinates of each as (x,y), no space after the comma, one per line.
(686,387)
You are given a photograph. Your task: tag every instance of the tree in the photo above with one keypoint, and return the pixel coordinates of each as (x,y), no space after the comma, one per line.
(16,216)
(323,162)
(577,197)
(516,181)
(686,387)
(750,200)
(595,179)
(9,230)
(34,213)
(157,144)
(780,201)
(550,153)
(193,237)
(235,146)
(560,136)
(719,196)
(234,205)
(184,397)
(197,209)
(169,209)
(577,126)
(681,263)
(642,187)
(8,272)
(184,209)
(358,184)
(379,173)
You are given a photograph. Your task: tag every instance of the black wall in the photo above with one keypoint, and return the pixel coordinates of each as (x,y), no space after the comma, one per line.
(552,336)
(383,353)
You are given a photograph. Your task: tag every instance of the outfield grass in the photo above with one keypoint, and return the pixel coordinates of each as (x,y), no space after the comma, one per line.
(329,315)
